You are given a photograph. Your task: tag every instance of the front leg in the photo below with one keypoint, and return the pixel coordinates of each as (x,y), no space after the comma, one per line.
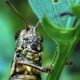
(40,68)
(23,61)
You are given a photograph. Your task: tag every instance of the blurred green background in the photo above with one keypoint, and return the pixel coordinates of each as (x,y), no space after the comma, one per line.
(10,24)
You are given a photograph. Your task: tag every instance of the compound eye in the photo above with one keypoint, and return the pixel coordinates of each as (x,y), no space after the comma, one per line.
(17,35)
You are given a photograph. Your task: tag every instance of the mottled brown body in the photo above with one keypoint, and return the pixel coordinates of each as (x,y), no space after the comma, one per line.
(28,50)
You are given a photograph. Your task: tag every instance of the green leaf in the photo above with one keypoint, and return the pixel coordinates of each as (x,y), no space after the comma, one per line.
(51,10)
(66,39)
(58,29)
(76,10)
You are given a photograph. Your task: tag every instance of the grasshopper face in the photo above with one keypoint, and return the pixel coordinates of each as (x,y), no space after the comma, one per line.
(30,40)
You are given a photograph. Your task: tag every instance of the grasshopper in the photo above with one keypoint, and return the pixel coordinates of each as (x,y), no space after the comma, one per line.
(26,64)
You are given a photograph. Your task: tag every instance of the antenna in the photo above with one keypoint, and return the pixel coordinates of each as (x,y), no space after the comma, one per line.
(38,22)
(20,16)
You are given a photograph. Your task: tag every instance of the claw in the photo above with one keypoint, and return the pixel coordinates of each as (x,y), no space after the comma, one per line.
(47,68)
